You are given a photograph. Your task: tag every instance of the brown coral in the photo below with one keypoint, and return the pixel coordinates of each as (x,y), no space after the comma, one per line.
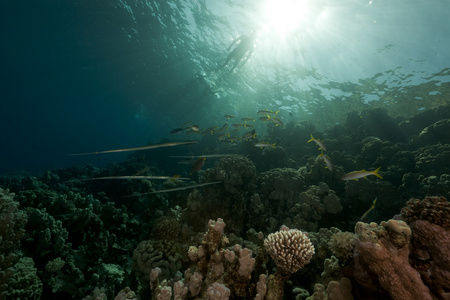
(166,228)
(379,262)
(435,210)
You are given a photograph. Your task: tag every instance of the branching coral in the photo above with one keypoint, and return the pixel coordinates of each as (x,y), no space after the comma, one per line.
(291,250)
(336,290)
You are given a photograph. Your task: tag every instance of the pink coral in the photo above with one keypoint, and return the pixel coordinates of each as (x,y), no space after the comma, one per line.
(434,268)
(435,210)
(377,259)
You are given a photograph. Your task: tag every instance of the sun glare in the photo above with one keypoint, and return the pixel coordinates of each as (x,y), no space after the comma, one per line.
(284,16)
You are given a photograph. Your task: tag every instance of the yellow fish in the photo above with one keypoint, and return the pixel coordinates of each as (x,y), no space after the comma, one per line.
(318,142)
(372,207)
(355,175)
(327,161)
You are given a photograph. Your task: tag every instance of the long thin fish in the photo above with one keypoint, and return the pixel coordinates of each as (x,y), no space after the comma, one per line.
(206,156)
(142,177)
(139,148)
(178,188)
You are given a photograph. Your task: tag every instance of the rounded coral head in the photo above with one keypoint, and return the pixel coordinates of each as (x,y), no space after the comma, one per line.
(291,249)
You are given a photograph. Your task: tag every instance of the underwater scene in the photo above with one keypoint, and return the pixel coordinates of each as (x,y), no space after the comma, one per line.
(206,149)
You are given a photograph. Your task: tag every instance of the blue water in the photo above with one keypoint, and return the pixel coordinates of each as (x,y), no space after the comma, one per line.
(82,76)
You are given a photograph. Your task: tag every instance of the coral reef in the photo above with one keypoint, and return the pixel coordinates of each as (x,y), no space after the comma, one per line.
(71,236)
(341,245)
(311,206)
(219,271)
(24,284)
(438,132)
(435,210)
(150,254)
(431,246)
(381,258)
(433,159)
(12,222)
(336,290)
(291,250)
(237,173)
